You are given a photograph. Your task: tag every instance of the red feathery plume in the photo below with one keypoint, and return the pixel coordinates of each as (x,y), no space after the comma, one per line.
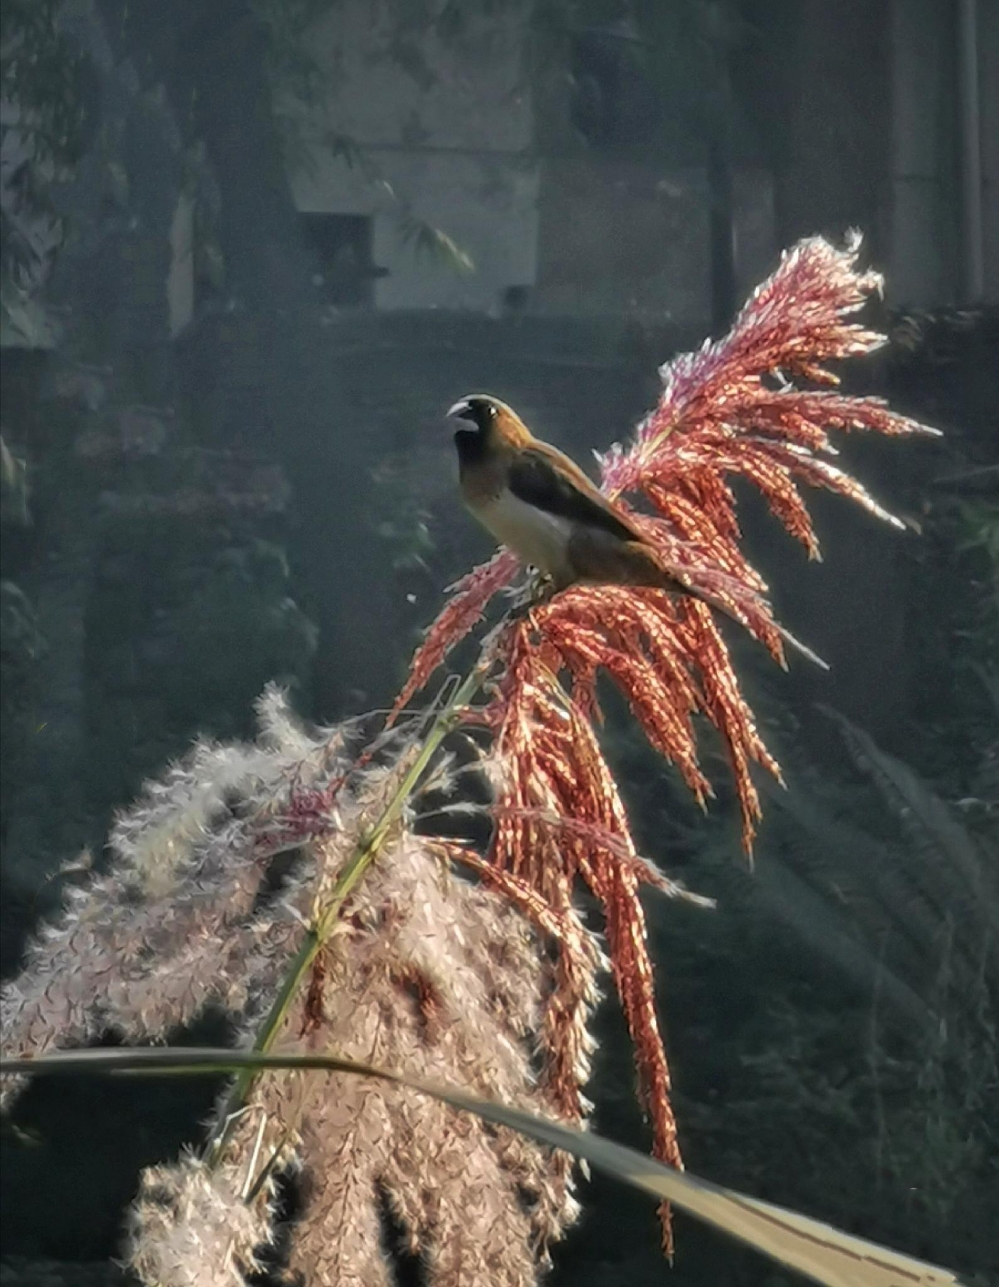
(732,408)
(469,598)
(549,762)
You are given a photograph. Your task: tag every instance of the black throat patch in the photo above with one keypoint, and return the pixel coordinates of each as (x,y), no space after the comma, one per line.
(471,444)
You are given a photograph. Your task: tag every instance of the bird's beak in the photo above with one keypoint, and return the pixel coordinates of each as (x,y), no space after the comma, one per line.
(461,410)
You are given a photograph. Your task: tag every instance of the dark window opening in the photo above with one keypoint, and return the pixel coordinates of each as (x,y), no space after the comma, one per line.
(343,246)
(612,104)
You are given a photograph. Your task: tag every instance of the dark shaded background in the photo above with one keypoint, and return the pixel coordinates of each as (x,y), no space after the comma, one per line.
(267,491)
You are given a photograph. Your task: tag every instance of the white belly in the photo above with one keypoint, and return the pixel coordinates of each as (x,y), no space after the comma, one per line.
(534,536)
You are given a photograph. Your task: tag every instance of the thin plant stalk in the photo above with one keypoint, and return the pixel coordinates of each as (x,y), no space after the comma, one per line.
(318,933)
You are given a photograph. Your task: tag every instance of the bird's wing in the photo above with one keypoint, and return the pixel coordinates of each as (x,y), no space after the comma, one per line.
(542,476)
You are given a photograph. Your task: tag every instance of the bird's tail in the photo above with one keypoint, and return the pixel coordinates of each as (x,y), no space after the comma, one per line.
(644,568)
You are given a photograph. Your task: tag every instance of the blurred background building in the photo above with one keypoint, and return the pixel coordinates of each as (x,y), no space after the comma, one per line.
(301,229)
(654,153)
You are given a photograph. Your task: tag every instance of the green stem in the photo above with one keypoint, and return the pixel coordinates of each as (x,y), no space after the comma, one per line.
(363,855)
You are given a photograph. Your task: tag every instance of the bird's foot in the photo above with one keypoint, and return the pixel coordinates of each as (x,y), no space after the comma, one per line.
(539,591)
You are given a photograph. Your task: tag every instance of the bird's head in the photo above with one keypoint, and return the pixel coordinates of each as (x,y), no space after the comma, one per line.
(491,425)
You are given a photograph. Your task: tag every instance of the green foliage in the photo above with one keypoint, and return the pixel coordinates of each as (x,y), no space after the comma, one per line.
(979,520)
(432,243)
(402,522)
(41,73)
(977,523)
(21,646)
(242,607)
(182,632)
(24,322)
(875,1063)
(290,64)
(43,84)
(14,487)
(20,640)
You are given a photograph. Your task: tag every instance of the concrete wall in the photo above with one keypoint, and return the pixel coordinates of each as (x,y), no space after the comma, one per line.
(622,238)
(616,238)
(988,79)
(925,268)
(446,121)
(451,124)
(832,87)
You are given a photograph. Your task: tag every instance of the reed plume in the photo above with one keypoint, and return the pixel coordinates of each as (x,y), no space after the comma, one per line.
(739,407)
(430,974)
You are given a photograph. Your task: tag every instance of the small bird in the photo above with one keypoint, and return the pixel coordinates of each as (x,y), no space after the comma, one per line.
(541,505)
